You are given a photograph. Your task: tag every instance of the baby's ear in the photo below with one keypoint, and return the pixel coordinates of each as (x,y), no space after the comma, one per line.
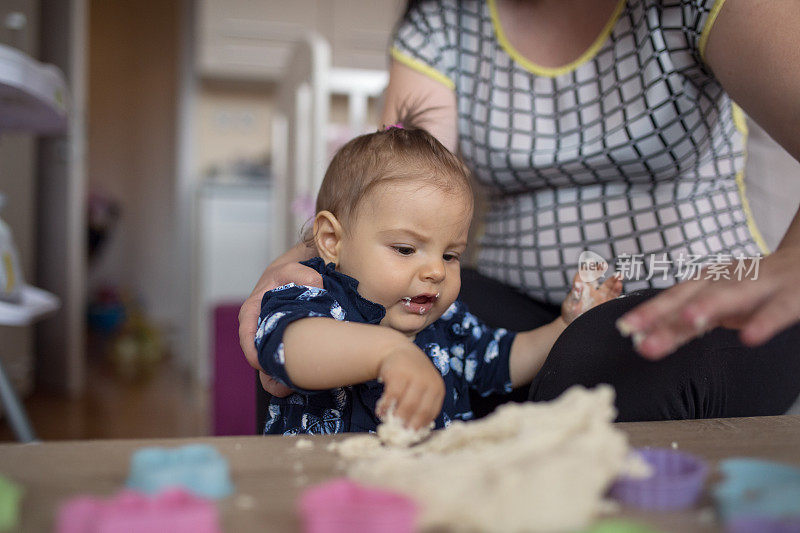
(327,236)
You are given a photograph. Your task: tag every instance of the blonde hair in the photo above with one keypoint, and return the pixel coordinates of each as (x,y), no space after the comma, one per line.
(398,152)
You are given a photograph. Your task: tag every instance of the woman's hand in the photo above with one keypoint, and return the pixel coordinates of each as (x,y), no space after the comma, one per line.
(760,304)
(275,275)
(585,295)
(412,385)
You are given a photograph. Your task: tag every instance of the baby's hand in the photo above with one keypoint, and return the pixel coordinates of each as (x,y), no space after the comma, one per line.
(585,295)
(412,384)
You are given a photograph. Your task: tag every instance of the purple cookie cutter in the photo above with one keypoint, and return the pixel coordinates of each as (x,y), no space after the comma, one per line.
(676,483)
(343,506)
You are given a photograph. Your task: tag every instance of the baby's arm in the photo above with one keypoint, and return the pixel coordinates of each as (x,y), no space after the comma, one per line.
(530,348)
(304,341)
(322,353)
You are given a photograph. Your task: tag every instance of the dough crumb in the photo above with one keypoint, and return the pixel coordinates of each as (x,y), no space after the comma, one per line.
(393,432)
(674,445)
(304,444)
(245,501)
(625,329)
(638,338)
(482,475)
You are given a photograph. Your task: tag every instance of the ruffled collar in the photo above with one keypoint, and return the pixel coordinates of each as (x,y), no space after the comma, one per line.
(371,312)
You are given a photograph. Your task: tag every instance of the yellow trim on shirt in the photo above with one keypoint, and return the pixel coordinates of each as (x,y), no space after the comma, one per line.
(712,18)
(551,72)
(740,122)
(422,68)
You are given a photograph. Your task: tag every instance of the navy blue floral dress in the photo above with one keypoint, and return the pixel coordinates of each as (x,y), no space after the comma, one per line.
(467,353)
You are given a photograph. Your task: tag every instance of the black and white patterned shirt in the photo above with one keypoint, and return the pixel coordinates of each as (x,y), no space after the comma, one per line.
(634,148)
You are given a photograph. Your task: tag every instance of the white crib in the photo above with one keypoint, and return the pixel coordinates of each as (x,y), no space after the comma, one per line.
(300,129)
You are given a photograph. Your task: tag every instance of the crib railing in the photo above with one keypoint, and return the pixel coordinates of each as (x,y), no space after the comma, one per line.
(300,129)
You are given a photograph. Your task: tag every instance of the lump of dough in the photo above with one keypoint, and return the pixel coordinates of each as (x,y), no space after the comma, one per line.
(527,467)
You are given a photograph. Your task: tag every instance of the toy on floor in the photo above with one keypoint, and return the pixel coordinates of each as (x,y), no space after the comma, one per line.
(342,506)
(199,468)
(676,482)
(175,511)
(758,495)
(10,496)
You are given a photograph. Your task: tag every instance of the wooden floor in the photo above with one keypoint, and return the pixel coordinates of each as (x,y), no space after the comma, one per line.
(167,405)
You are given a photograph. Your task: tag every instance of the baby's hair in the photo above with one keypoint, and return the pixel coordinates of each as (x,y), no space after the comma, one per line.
(403,151)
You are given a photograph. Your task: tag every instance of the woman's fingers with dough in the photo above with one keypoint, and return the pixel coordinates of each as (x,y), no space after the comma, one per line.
(666,305)
(766,304)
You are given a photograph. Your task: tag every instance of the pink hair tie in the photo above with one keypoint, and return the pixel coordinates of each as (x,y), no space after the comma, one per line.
(398,125)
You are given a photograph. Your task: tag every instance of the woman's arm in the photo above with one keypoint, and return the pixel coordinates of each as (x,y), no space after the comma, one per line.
(408,87)
(283,270)
(752,50)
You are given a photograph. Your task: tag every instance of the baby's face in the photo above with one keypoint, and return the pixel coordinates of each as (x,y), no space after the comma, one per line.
(404,246)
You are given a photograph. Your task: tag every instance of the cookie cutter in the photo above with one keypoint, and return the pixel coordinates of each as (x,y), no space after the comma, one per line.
(198,468)
(760,490)
(176,511)
(10,496)
(676,482)
(343,506)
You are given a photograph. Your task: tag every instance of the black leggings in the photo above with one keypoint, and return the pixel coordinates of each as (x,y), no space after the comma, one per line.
(713,376)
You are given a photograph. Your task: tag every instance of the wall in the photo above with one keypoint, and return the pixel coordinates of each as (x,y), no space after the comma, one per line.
(133,69)
(233,122)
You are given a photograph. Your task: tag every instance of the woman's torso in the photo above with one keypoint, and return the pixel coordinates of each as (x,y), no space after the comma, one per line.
(632,151)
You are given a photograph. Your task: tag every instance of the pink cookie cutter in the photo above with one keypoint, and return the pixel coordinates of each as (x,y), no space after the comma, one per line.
(343,506)
(174,510)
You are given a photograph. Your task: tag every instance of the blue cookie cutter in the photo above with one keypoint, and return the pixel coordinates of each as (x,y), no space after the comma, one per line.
(758,488)
(199,468)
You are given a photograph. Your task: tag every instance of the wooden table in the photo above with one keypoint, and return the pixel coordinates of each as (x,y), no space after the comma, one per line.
(265,469)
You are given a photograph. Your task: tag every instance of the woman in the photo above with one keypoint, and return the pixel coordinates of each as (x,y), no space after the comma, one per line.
(607,125)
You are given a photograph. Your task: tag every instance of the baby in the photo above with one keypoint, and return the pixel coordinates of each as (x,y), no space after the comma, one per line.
(387,331)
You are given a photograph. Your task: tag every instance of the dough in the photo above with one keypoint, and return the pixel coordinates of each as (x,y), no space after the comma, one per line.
(393,432)
(303,444)
(527,467)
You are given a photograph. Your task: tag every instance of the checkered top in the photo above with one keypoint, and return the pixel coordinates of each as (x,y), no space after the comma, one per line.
(634,149)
